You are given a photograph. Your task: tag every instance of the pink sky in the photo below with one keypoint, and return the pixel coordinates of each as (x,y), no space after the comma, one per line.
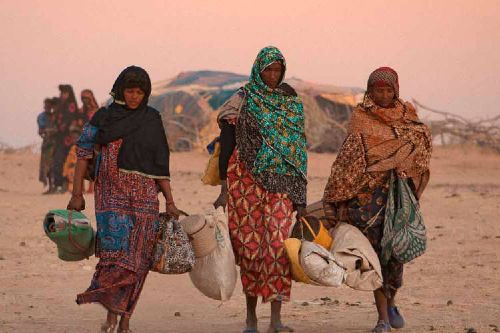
(446,52)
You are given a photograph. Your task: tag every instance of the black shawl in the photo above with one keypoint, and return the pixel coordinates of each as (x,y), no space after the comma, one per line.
(144,149)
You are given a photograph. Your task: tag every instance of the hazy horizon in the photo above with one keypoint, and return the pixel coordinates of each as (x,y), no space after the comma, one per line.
(446,52)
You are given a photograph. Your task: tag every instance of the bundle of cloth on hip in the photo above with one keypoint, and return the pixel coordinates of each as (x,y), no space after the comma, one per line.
(335,257)
(214,273)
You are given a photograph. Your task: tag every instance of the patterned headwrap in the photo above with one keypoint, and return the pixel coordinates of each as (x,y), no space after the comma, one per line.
(281,121)
(384,76)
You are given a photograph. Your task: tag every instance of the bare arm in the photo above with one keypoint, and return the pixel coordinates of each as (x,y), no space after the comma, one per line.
(166,189)
(77,202)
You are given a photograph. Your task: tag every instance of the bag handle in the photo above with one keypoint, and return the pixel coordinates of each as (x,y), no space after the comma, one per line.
(182,213)
(70,238)
(304,221)
(396,188)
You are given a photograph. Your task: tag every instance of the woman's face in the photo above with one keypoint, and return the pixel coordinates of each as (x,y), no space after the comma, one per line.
(133,97)
(46,106)
(64,95)
(382,96)
(272,75)
(86,101)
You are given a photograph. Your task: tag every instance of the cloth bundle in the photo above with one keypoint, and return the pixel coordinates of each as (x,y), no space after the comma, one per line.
(321,266)
(354,251)
(214,272)
(351,260)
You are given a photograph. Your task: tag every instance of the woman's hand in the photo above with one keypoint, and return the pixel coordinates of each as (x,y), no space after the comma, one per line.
(223,196)
(301,212)
(170,207)
(173,211)
(343,212)
(77,202)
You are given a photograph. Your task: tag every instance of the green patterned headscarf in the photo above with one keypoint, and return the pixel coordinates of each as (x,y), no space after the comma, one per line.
(281,121)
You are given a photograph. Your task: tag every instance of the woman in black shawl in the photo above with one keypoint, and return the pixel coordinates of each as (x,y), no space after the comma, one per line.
(133,164)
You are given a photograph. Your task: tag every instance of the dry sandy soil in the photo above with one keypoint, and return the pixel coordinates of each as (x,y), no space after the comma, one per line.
(454,287)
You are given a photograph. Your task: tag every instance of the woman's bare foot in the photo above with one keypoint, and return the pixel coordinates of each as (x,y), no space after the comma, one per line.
(251,326)
(110,324)
(276,324)
(251,321)
(278,327)
(124,326)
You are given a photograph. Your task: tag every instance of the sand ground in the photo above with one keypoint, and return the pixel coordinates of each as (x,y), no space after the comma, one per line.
(454,287)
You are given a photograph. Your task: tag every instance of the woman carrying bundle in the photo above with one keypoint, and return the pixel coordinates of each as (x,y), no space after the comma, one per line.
(263,165)
(384,136)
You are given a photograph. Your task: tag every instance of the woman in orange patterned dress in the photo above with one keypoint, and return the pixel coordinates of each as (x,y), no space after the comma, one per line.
(384,135)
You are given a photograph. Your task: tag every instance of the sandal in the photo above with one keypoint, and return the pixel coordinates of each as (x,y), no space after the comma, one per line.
(128,330)
(108,327)
(280,329)
(250,330)
(381,327)
(395,318)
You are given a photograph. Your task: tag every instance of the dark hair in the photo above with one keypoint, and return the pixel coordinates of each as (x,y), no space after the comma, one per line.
(132,77)
(69,89)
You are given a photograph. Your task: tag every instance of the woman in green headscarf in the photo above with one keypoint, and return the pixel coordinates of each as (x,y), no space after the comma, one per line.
(263,167)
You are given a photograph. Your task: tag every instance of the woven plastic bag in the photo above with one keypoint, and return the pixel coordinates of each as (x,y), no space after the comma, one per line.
(215,274)
(173,253)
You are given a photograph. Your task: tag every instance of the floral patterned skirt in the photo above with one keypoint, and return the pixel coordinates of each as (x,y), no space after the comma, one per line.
(259,222)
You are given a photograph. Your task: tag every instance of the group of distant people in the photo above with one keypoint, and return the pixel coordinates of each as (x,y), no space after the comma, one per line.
(60,125)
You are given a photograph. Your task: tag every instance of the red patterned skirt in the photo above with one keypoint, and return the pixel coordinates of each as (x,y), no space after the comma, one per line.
(116,288)
(259,222)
